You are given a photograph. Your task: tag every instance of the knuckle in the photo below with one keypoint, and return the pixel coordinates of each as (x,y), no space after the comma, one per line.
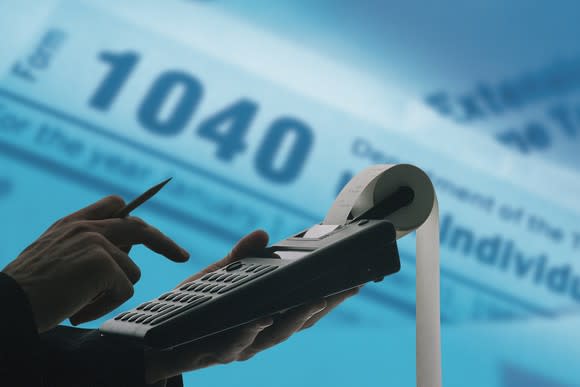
(58,223)
(80,227)
(94,238)
(137,221)
(114,201)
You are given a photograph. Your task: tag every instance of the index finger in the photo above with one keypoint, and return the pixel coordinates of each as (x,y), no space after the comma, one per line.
(251,244)
(102,209)
(134,231)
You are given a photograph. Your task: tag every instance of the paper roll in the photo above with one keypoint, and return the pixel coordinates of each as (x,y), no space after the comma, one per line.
(428,304)
(377,183)
(370,189)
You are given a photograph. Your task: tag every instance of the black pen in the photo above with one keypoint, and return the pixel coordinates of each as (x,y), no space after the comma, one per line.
(123,212)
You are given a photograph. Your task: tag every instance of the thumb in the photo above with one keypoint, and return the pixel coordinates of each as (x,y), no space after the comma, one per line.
(251,244)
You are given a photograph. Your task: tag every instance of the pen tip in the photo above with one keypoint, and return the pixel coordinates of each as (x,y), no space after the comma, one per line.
(158,187)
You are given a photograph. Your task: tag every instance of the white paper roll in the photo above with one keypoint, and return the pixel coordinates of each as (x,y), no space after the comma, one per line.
(365,191)
(378,182)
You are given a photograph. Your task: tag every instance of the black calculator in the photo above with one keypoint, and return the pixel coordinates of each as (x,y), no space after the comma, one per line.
(315,263)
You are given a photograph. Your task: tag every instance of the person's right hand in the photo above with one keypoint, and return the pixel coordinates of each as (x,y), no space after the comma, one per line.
(79,268)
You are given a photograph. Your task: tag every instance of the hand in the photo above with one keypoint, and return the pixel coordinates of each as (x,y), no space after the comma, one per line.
(240,343)
(79,267)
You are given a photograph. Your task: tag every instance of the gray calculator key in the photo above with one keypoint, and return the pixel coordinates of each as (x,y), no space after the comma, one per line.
(155,307)
(213,276)
(172,312)
(245,279)
(148,319)
(164,307)
(185,286)
(171,296)
(239,278)
(164,296)
(133,317)
(121,315)
(193,299)
(234,266)
(217,288)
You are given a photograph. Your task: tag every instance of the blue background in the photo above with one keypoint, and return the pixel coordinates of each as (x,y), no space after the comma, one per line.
(318,91)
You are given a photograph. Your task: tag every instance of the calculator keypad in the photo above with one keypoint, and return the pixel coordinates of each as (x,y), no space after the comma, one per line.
(194,293)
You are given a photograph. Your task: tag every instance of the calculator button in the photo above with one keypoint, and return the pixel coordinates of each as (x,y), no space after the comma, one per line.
(169,311)
(234,266)
(140,319)
(191,287)
(121,315)
(213,276)
(217,288)
(149,306)
(186,286)
(155,307)
(200,288)
(133,317)
(250,268)
(172,312)
(172,297)
(164,307)
(148,319)
(239,278)
(163,297)
(206,277)
(261,268)
(179,297)
(246,278)
(210,287)
(268,269)
(127,316)
(143,305)
(222,277)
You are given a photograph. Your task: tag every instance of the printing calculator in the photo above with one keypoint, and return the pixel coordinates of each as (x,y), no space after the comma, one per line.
(315,263)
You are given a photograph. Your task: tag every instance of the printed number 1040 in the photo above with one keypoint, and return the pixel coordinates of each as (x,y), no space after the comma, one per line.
(171,101)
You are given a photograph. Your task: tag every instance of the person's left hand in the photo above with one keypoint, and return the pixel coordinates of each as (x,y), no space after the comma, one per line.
(243,342)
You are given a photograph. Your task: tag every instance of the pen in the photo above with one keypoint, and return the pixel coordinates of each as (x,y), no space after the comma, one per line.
(123,212)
